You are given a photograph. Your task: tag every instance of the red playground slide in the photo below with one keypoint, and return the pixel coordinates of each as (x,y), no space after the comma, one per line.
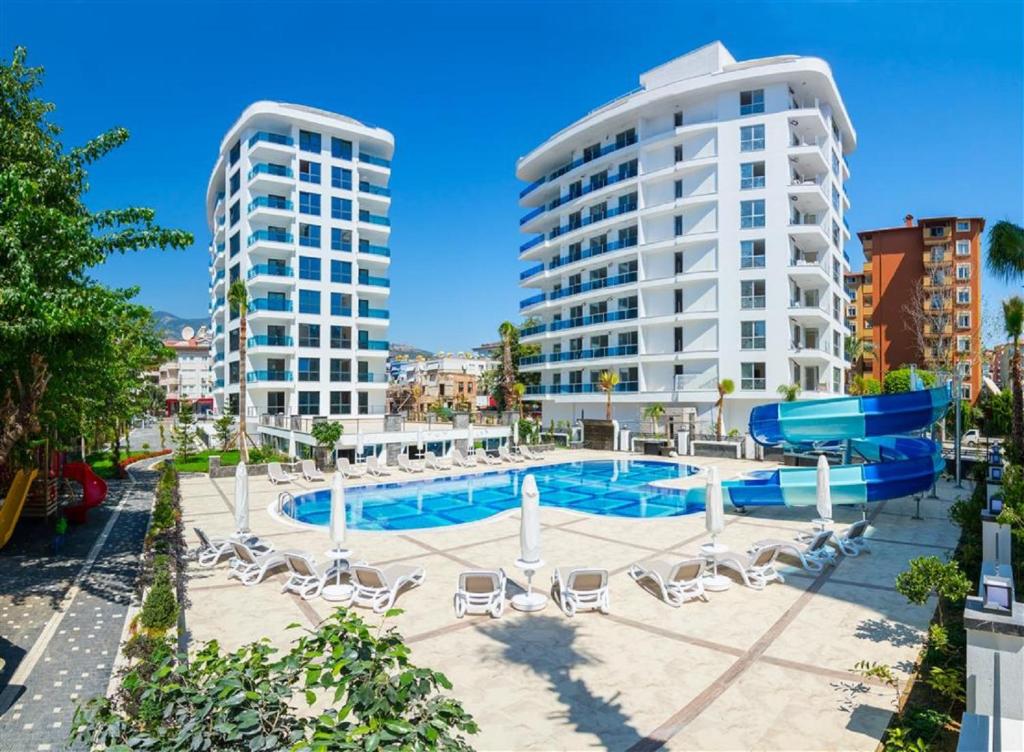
(94,490)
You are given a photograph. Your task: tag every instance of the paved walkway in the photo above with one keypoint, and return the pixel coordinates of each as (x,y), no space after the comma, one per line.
(61,618)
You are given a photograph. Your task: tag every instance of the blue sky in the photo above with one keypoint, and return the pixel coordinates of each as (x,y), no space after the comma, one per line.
(935,91)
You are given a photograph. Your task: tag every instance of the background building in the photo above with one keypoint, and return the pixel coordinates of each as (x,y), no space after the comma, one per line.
(450,381)
(189,376)
(858,321)
(688,232)
(921,295)
(298,205)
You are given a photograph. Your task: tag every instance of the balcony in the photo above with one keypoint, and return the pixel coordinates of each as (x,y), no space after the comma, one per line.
(270,340)
(589,354)
(532,300)
(591,219)
(594,250)
(597,318)
(375,161)
(261,376)
(366,378)
(269,202)
(374,219)
(269,236)
(696,382)
(217,278)
(604,151)
(375,250)
(269,270)
(218,357)
(218,383)
(604,180)
(374,344)
(217,304)
(539,389)
(374,313)
(594,284)
(531,243)
(531,187)
(366,279)
(269,304)
(269,170)
(374,190)
(270,138)
(532,271)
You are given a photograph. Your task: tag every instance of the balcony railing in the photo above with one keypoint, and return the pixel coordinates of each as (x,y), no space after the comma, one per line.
(590,219)
(270,340)
(269,304)
(375,313)
(270,138)
(531,271)
(220,248)
(608,149)
(263,168)
(595,250)
(594,284)
(218,357)
(590,388)
(374,219)
(374,344)
(372,189)
(218,303)
(270,236)
(376,250)
(696,382)
(366,378)
(532,300)
(535,213)
(218,383)
(588,188)
(597,318)
(531,187)
(269,202)
(253,376)
(589,354)
(531,243)
(366,279)
(270,270)
(370,159)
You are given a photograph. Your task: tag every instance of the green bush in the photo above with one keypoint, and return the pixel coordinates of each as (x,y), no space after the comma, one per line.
(160,609)
(899,380)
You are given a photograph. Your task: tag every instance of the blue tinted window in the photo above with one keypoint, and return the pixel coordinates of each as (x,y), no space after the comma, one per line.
(341,208)
(341,240)
(341,271)
(339,305)
(341,149)
(309,369)
(309,267)
(236,182)
(236,212)
(309,172)
(309,235)
(235,243)
(309,203)
(309,141)
(309,301)
(309,403)
(341,178)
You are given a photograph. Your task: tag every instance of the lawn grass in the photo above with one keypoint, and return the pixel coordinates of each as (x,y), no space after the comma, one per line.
(199,462)
(102,463)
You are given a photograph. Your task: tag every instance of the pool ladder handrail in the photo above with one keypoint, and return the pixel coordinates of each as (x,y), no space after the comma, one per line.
(284,498)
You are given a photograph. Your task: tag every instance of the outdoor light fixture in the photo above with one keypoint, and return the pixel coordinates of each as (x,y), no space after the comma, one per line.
(997,595)
(995,505)
(995,473)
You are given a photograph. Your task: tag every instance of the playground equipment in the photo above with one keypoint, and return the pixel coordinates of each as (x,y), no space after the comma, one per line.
(94,491)
(13,503)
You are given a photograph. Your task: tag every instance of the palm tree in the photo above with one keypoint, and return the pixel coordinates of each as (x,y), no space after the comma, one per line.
(238,299)
(1006,250)
(789,392)
(607,382)
(508,332)
(653,413)
(1013,322)
(520,389)
(854,355)
(725,388)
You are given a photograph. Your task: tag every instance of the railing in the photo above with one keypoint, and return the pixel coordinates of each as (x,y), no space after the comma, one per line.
(531,271)
(806,304)
(220,248)
(370,159)
(590,388)
(374,219)
(269,202)
(598,318)
(269,376)
(595,250)
(375,313)
(218,383)
(270,340)
(531,243)
(272,270)
(264,168)
(600,352)
(532,300)
(568,167)
(531,187)
(218,303)
(269,236)
(217,278)
(271,138)
(588,188)
(376,250)
(366,378)
(804,263)
(366,279)
(218,357)
(535,213)
(375,190)
(269,304)
(373,344)
(594,284)
(220,221)
(615,211)
(696,382)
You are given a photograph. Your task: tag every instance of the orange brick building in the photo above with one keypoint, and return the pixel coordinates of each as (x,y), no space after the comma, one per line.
(918,298)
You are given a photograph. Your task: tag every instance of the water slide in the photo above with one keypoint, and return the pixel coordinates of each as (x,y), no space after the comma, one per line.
(13,503)
(871,428)
(94,490)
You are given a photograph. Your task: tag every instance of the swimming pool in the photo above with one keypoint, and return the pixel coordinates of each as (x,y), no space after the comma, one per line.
(618,488)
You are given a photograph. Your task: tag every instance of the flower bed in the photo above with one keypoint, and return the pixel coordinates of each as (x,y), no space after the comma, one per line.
(132,458)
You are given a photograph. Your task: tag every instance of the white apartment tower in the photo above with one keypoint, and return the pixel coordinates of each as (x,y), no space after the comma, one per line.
(689,232)
(298,206)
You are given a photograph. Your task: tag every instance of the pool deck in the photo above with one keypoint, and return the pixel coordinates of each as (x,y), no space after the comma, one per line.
(745,670)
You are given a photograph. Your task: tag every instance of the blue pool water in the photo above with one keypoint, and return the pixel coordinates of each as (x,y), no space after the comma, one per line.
(619,488)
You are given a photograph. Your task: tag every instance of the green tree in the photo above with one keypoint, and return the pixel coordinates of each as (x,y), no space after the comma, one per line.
(997,413)
(898,380)
(185,431)
(788,392)
(654,413)
(725,388)
(1013,323)
(500,383)
(57,324)
(509,334)
(607,382)
(1005,258)
(326,434)
(930,575)
(224,427)
(238,299)
(865,385)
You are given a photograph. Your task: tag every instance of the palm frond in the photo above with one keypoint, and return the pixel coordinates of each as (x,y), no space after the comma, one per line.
(1005,258)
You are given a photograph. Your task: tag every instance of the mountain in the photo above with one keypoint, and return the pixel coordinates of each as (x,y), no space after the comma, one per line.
(170,325)
(409,350)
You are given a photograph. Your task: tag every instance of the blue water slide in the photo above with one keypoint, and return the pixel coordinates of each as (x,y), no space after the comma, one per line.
(893,464)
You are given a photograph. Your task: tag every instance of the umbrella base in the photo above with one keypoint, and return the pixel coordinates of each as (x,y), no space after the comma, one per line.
(529,602)
(716,583)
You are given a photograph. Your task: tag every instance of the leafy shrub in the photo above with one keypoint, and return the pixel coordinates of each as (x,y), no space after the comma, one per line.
(899,380)
(160,609)
(928,575)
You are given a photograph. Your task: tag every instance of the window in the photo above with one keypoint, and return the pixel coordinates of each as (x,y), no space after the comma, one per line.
(963,225)
(963,295)
(341,338)
(837,380)
(309,369)
(341,403)
(965,392)
(752,376)
(677,339)
(936,232)
(752,138)
(309,335)
(752,335)
(341,240)
(938,252)
(752,213)
(835,163)
(751,102)
(752,254)
(309,267)
(309,301)
(963,271)
(591,152)
(236,182)
(963,320)
(679,262)
(235,243)
(679,153)
(309,141)
(963,344)
(752,175)
(309,172)
(235,212)
(963,248)
(678,225)
(309,203)
(309,236)
(626,138)
(340,304)
(235,153)
(341,272)
(309,402)
(341,369)
(677,119)
(233,372)
(752,293)
(341,149)
(233,340)
(679,189)
(341,178)
(678,295)
(835,198)
(341,208)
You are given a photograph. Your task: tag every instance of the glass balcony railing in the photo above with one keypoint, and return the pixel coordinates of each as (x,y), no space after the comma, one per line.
(594,284)
(532,300)
(531,187)
(366,279)
(269,202)
(375,190)
(375,313)
(374,219)
(264,168)
(218,357)
(590,354)
(622,386)
(253,376)
(218,383)
(270,236)
(366,378)
(376,250)
(590,219)
(531,243)
(270,138)
(531,271)
(370,159)
(269,270)
(270,340)
(608,149)
(597,318)
(217,279)
(374,344)
(595,185)
(594,250)
(269,304)
(218,303)
(220,248)
(535,213)
(220,221)
(341,310)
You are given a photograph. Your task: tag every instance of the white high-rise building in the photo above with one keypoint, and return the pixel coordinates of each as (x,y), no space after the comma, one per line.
(298,206)
(689,232)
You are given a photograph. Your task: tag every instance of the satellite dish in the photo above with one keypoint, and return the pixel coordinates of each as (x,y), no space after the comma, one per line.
(188,333)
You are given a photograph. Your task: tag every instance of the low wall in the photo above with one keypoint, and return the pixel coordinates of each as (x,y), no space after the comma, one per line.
(725,449)
(598,434)
(216,471)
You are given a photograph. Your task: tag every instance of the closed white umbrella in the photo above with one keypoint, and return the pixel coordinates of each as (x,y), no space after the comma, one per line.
(338,525)
(469,439)
(824,502)
(515,432)
(241,501)
(359,445)
(529,546)
(714,521)
(419,440)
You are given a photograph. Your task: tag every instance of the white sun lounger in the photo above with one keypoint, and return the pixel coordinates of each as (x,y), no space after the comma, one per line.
(577,588)
(374,468)
(306,579)
(675,583)
(461,460)
(506,454)
(348,470)
(251,567)
(528,453)
(813,555)
(852,541)
(377,588)
(408,465)
(756,569)
(212,550)
(437,463)
(488,459)
(310,471)
(481,591)
(276,473)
